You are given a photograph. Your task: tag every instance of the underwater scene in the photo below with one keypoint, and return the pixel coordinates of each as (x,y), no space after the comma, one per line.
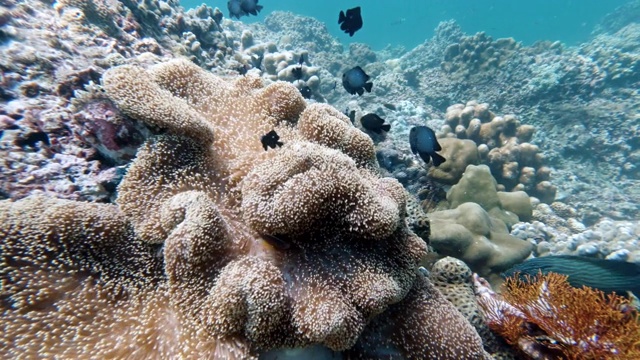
(286,179)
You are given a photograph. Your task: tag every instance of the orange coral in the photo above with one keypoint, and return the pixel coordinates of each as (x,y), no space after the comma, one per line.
(546,318)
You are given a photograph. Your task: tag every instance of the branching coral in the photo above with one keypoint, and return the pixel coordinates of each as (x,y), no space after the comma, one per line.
(545,318)
(235,251)
(503,144)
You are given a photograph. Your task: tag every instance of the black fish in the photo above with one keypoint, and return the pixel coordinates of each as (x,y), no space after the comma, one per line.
(606,275)
(351,22)
(390,106)
(243,69)
(297,72)
(240,8)
(270,139)
(32,139)
(375,123)
(306,92)
(355,81)
(423,142)
(351,114)
(301,60)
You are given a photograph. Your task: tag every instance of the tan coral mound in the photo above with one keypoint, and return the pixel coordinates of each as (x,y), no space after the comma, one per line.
(247,251)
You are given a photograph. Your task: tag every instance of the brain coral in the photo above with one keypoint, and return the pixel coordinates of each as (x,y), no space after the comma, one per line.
(454,280)
(218,249)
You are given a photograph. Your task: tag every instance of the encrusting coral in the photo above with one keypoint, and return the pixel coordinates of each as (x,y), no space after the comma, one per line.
(219,249)
(544,317)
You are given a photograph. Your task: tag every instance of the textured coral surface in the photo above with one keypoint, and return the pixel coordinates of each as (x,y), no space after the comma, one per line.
(218,249)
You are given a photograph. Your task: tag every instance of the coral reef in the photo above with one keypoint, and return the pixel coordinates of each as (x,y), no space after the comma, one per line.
(478,186)
(544,318)
(455,281)
(478,55)
(52,53)
(235,251)
(481,241)
(475,227)
(301,32)
(459,154)
(561,233)
(219,249)
(503,144)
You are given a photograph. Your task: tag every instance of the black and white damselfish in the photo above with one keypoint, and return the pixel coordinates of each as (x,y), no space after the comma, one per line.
(424,143)
(271,139)
(351,21)
(356,81)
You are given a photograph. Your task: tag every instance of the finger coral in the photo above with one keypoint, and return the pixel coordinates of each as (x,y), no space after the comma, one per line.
(219,249)
(503,144)
(546,318)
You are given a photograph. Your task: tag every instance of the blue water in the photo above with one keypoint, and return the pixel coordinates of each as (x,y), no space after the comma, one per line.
(409,22)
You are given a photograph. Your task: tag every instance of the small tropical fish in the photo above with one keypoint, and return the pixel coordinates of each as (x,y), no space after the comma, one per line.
(250,6)
(243,69)
(355,81)
(375,123)
(301,60)
(351,114)
(270,139)
(239,8)
(423,142)
(257,61)
(306,92)
(351,21)
(390,106)
(297,72)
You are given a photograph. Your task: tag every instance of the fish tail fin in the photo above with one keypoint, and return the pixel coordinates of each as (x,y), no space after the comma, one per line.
(279,143)
(360,91)
(258,7)
(368,86)
(341,18)
(386,127)
(424,156)
(437,159)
